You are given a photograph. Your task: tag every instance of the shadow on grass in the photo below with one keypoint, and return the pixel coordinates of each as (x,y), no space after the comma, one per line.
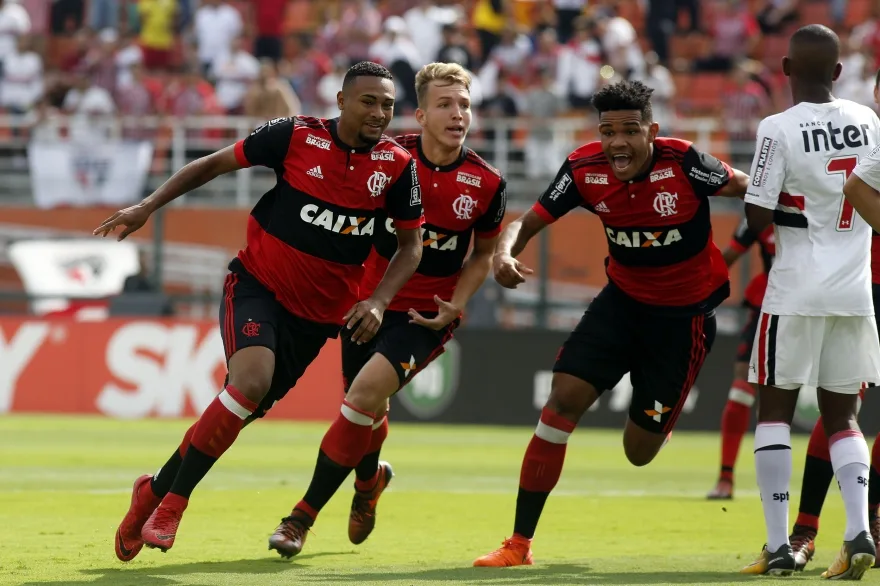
(124,574)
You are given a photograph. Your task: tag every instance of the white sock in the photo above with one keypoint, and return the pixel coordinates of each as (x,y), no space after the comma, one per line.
(773,467)
(849,458)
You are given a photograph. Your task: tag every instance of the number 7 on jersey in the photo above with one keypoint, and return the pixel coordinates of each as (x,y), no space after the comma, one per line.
(843,166)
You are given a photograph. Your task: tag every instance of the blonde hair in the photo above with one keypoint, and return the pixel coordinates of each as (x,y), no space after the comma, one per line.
(446,73)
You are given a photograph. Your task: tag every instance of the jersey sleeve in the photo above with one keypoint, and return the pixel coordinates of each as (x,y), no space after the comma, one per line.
(706,174)
(266,146)
(403,202)
(743,238)
(489,224)
(868,169)
(768,167)
(560,197)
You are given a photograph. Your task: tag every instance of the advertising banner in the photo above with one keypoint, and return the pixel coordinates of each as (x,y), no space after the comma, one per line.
(133,369)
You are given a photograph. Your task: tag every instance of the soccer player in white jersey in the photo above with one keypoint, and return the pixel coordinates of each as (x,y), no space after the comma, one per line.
(816,326)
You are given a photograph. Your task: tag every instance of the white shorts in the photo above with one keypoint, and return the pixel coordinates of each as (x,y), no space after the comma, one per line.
(836,353)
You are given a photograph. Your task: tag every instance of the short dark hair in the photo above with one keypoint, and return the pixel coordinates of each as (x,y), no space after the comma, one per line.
(365,69)
(625,95)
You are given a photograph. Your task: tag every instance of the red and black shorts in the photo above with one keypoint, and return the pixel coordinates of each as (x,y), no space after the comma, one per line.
(250,315)
(408,347)
(662,352)
(747,334)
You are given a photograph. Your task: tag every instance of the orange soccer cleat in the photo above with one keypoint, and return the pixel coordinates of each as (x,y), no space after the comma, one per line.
(516,551)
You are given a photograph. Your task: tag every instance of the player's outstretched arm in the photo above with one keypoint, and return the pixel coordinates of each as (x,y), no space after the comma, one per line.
(758,217)
(401,267)
(189,177)
(473,274)
(510,272)
(737,186)
(864,199)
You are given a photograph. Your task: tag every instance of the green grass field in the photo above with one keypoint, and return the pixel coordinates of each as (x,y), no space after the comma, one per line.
(65,484)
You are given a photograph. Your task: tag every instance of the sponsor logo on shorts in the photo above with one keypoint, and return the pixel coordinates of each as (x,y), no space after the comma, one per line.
(251,329)
(433,389)
(658,411)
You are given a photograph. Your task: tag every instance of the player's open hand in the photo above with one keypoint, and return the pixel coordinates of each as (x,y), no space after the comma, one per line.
(367,316)
(509,272)
(446,314)
(132,218)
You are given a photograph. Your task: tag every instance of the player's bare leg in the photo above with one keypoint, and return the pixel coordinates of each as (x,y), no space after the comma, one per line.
(343,447)
(850,459)
(250,374)
(773,467)
(734,424)
(640,445)
(570,397)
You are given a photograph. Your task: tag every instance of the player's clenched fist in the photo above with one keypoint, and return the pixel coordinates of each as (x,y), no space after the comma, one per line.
(509,272)
(367,316)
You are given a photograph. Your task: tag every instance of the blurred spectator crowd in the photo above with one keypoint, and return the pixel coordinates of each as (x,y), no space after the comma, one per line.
(530,58)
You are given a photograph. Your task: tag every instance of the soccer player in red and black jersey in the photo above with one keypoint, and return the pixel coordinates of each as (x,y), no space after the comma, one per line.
(655,319)
(462,195)
(738,410)
(296,282)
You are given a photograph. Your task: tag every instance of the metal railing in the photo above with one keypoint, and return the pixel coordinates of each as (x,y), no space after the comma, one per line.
(507,143)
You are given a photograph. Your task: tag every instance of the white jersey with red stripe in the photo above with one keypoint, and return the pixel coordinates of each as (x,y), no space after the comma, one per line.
(823,247)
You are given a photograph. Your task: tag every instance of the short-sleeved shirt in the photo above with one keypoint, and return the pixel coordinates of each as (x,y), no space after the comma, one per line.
(465,197)
(869,172)
(661,251)
(802,159)
(308,237)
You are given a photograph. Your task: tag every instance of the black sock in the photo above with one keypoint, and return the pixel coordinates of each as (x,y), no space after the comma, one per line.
(873,490)
(529,506)
(368,466)
(164,478)
(326,480)
(818,474)
(193,468)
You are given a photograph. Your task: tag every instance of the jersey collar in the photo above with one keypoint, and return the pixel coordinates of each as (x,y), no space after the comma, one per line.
(341,144)
(445,168)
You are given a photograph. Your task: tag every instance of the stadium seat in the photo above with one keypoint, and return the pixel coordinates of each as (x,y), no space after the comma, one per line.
(706,93)
(814,12)
(773,49)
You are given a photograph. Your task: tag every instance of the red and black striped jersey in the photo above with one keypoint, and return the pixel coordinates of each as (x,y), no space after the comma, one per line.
(742,240)
(308,237)
(467,196)
(661,251)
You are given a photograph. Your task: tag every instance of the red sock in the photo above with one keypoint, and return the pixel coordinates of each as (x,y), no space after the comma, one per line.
(367,480)
(817,476)
(734,424)
(348,439)
(219,425)
(818,446)
(212,435)
(543,460)
(343,446)
(187,438)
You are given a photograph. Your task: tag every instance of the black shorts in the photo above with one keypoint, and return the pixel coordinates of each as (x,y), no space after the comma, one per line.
(747,335)
(408,347)
(663,354)
(250,315)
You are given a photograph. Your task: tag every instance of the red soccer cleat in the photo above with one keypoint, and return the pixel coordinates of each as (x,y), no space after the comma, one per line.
(362,518)
(161,528)
(128,534)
